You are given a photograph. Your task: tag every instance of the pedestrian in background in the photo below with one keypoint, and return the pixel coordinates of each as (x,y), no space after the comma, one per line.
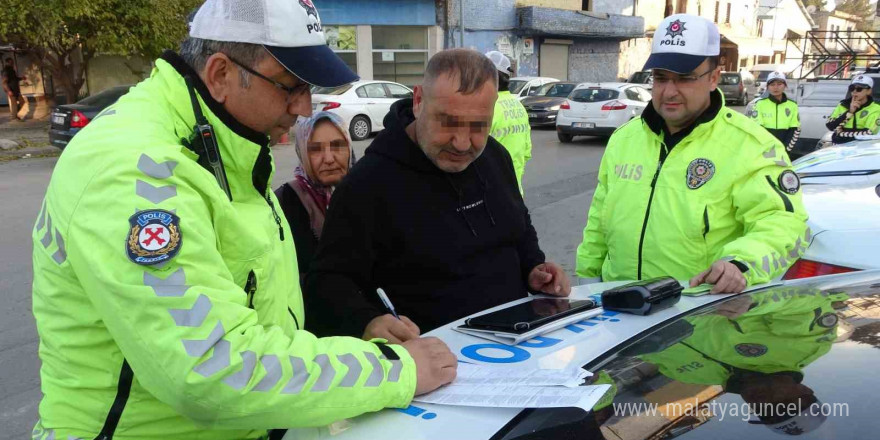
(510,124)
(778,114)
(13,89)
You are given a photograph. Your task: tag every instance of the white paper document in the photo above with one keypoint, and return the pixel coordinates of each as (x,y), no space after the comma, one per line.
(473,374)
(584,397)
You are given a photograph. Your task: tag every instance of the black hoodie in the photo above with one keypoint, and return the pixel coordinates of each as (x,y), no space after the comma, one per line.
(441,245)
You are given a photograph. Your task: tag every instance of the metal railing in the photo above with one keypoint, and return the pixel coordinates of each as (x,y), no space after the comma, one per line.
(844,49)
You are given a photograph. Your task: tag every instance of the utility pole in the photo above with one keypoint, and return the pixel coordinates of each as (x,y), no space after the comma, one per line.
(461,23)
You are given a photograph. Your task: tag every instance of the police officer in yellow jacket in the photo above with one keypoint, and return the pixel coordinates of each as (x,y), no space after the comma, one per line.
(692,189)
(510,124)
(165,289)
(857,114)
(777,113)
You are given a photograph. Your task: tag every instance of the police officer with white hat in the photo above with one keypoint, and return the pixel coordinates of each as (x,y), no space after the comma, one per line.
(695,190)
(857,114)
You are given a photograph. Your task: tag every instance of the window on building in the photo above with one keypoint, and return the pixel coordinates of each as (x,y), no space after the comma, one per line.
(400,53)
(717,8)
(586,6)
(343,41)
(727,17)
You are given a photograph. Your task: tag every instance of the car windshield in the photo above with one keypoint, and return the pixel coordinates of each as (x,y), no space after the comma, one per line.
(516,86)
(594,95)
(640,77)
(555,90)
(798,359)
(317,90)
(730,79)
(761,75)
(105,98)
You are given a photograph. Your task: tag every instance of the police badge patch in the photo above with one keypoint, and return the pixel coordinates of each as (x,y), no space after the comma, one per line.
(863,113)
(699,172)
(789,182)
(154,237)
(788,112)
(827,320)
(751,350)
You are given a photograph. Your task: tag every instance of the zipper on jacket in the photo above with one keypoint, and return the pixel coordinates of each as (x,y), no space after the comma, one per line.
(650,200)
(277,218)
(123,389)
(250,288)
(705,221)
(295,321)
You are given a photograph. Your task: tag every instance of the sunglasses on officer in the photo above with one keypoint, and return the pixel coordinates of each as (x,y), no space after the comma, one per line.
(858,88)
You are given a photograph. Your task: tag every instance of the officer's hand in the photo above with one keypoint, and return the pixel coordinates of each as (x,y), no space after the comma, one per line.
(549,278)
(435,364)
(391,329)
(854,105)
(726,277)
(734,308)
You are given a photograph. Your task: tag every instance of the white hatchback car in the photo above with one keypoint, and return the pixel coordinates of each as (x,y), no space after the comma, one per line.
(361,104)
(597,109)
(841,192)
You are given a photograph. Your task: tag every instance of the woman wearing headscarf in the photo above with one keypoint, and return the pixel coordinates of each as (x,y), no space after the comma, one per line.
(325,157)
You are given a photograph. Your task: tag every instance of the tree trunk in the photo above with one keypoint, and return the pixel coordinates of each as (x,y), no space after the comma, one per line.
(64,72)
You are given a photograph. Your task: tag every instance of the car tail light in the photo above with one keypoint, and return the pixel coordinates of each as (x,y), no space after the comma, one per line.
(78,120)
(807,268)
(740,87)
(614,105)
(565,106)
(330,105)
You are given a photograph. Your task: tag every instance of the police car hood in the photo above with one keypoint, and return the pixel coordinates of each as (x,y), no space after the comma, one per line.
(587,343)
(839,160)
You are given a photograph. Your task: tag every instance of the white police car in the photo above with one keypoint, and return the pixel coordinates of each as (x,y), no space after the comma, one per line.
(841,192)
(649,399)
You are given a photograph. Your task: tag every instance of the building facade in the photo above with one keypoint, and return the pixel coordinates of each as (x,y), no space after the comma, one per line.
(383,40)
(571,40)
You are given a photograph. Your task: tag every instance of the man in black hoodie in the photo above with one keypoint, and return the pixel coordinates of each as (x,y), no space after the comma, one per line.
(432,214)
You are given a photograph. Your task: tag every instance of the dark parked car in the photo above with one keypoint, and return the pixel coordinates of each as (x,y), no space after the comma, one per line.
(542,107)
(734,87)
(68,119)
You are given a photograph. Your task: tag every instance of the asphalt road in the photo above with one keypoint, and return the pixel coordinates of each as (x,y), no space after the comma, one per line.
(558,182)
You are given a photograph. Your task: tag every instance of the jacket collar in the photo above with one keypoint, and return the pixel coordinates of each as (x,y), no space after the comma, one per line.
(245,152)
(772,98)
(654,122)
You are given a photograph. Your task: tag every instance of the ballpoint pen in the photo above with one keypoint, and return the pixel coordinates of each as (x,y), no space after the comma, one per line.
(387,302)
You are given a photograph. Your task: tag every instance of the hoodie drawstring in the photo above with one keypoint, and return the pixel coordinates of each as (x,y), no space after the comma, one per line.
(460,203)
(485,190)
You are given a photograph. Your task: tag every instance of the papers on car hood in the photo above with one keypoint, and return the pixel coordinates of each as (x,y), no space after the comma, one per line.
(517,387)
